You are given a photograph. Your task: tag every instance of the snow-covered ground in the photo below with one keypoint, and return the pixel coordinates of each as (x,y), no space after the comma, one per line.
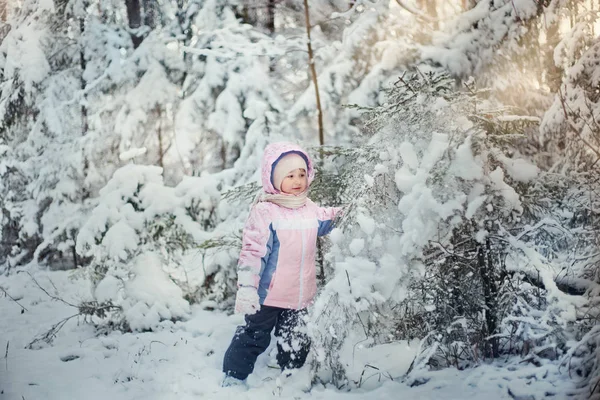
(183,360)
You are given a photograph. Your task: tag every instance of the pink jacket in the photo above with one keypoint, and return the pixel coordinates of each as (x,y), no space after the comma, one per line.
(279,244)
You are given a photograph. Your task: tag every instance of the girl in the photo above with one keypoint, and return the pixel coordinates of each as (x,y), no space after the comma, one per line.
(276,268)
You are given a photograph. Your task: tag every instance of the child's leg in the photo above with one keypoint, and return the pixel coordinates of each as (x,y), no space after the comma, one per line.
(249,342)
(293,343)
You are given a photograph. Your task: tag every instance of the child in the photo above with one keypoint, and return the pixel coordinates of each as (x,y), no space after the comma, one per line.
(276,268)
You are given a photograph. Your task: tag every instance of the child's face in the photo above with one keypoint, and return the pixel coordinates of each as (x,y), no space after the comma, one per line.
(295,182)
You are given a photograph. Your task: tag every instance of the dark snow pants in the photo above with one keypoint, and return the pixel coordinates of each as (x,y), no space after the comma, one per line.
(253,339)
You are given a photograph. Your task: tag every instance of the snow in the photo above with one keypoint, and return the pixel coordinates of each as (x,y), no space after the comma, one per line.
(518,169)
(201,102)
(474,206)
(132,153)
(506,191)
(336,235)
(119,240)
(405,180)
(152,296)
(356,246)
(409,157)
(465,165)
(367,224)
(182,360)
(47,5)
(369,180)
(481,235)
(25,58)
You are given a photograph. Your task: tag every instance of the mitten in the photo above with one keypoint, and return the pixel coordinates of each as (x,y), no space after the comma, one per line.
(246,300)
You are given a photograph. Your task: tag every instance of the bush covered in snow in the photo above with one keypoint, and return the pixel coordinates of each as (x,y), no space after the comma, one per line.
(143,231)
(454,240)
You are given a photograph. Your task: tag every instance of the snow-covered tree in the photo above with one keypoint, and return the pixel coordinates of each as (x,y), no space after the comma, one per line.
(226,89)
(140,221)
(358,49)
(450,232)
(570,128)
(424,252)
(42,128)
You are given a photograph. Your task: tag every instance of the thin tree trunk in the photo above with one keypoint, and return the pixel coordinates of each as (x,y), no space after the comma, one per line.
(592,8)
(553,73)
(135,20)
(74,251)
(150,16)
(223,154)
(3,11)
(270,18)
(243,13)
(181,14)
(313,72)
(161,151)
(270,26)
(431,9)
(82,65)
(84,112)
(4,27)
(485,264)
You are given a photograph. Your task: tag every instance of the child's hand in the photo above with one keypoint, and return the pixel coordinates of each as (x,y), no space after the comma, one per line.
(246,300)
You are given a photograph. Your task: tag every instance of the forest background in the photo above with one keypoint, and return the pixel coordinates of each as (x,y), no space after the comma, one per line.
(462,136)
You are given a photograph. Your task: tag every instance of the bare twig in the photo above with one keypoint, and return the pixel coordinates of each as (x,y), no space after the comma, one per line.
(349,285)
(13,299)
(86,308)
(50,335)
(401,79)
(518,18)
(49,295)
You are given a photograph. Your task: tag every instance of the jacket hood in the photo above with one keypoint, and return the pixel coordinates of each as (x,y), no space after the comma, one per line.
(271,156)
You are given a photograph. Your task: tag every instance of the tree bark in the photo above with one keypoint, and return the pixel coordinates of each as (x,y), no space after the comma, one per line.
(85,193)
(430,8)
(592,8)
(573,12)
(150,13)
(490,291)
(159,133)
(270,17)
(258,13)
(82,66)
(4,27)
(3,11)
(313,72)
(134,15)
(243,13)
(554,74)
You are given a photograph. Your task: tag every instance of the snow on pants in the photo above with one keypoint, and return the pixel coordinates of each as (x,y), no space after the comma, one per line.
(253,339)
